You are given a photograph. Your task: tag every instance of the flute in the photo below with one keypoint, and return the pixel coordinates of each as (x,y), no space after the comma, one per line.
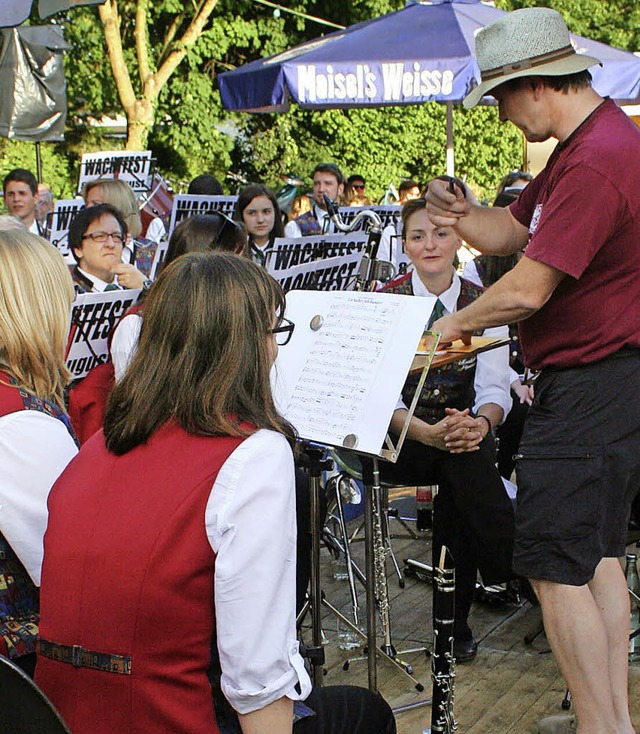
(442,660)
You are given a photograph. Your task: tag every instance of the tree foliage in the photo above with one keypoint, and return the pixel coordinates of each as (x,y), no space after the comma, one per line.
(190,132)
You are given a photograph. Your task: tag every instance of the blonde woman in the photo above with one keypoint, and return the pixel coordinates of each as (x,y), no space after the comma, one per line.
(36,440)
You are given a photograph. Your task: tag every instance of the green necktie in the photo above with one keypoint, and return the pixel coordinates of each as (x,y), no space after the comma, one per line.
(438,312)
(112,287)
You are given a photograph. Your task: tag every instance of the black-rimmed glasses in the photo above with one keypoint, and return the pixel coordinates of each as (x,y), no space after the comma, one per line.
(102,237)
(283,332)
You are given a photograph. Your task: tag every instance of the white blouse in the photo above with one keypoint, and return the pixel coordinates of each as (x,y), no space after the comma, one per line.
(251,524)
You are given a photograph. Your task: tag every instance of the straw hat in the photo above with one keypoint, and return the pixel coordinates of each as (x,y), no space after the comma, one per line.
(526,42)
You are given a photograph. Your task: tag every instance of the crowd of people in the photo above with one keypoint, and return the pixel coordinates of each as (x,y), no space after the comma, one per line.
(158,554)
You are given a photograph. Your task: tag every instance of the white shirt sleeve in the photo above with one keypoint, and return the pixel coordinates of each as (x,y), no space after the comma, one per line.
(155,230)
(291,229)
(34,450)
(124,343)
(470,273)
(251,525)
(492,381)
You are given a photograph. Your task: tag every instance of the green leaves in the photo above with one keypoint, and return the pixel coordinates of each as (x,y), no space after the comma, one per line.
(192,133)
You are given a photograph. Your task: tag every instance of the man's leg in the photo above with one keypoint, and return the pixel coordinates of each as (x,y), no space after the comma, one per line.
(609,589)
(586,644)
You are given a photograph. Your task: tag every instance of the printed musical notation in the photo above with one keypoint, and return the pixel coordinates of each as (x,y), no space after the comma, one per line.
(333,391)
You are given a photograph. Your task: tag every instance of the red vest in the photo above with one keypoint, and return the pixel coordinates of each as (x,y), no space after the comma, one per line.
(128,570)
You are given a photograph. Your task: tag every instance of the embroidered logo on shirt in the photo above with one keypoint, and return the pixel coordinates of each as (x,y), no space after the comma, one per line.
(533,225)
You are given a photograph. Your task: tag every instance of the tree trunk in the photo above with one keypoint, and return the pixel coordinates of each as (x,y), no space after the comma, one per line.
(140,120)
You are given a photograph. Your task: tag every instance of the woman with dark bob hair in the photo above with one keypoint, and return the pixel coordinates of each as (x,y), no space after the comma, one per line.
(97,237)
(258,209)
(169,568)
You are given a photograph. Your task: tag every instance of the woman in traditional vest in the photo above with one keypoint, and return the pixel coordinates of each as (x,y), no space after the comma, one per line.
(170,553)
(36,441)
(450,434)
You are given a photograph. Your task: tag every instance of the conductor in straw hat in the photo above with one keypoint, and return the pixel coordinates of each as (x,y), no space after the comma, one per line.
(575,293)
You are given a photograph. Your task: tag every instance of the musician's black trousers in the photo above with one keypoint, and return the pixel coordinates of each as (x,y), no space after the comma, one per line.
(346,710)
(473,516)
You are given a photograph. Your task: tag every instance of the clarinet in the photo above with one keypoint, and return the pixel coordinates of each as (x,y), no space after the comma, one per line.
(442,660)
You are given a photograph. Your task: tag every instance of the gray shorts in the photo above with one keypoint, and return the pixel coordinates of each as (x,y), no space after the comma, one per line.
(578,469)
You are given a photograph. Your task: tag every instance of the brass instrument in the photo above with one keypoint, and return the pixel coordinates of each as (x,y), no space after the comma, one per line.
(371,269)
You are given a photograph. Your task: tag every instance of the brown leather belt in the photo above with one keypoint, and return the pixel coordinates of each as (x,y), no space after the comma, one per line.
(79,657)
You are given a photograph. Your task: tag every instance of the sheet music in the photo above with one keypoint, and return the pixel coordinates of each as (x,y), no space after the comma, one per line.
(339,384)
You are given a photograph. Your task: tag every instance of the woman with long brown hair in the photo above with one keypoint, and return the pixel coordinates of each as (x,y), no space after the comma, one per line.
(36,441)
(170,558)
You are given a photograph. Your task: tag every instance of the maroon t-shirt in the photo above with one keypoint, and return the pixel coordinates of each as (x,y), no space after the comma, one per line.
(583,215)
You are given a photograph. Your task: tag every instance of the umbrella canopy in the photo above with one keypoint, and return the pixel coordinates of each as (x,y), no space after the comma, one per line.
(14,12)
(424,52)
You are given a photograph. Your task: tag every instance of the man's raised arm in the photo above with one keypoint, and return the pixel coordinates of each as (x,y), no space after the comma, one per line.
(492,230)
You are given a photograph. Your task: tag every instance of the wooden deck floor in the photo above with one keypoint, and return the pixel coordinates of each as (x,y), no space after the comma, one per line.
(506,690)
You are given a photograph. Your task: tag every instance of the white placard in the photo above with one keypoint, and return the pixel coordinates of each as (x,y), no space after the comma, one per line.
(158,259)
(339,384)
(296,262)
(388,213)
(132,166)
(93,317)
(330,274)
(188,205)
(289,251)
(64,211)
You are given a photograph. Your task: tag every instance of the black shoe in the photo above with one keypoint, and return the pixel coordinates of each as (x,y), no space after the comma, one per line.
(465,650)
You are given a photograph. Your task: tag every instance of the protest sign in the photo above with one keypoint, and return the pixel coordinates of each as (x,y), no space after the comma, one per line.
(63,213)
(329,274)
(158,259)
(93,318)
(134,167)
(188,205)
(321,262)
(388,213)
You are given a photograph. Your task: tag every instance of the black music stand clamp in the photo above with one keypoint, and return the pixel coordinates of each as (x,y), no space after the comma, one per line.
(312,458)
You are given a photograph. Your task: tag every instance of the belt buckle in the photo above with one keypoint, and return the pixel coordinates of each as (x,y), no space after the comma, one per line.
(530,376)
(76,656)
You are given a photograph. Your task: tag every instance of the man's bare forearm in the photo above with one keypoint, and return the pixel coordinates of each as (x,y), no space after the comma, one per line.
(492,230)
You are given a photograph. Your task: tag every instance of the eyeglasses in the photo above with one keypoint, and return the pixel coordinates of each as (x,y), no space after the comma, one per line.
(102,237)
(358,186)
(283,332)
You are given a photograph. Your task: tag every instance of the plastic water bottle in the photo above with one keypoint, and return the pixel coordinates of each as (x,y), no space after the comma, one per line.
(633,582)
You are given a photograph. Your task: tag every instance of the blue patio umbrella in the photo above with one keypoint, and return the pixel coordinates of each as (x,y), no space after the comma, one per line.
(14,12)
(424,52)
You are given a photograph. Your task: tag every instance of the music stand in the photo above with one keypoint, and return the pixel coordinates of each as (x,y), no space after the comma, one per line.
(338,382)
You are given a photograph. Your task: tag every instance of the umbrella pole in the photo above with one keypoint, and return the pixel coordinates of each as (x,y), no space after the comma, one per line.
(450,159)
(38,162)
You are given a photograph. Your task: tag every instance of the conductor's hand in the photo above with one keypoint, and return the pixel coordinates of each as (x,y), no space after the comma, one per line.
(128,275)
(450,331)
(446,207)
